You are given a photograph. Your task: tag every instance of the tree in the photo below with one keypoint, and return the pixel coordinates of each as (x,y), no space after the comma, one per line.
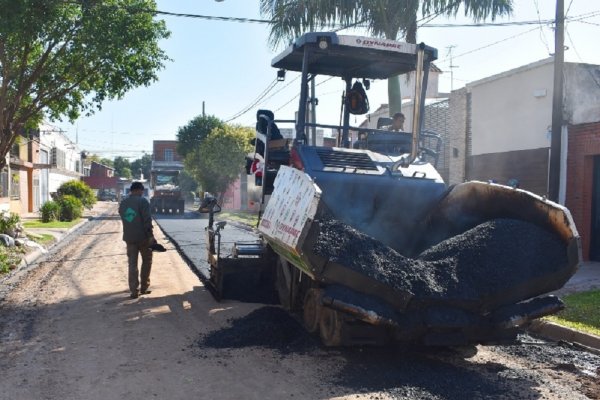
(187,184)
(142,165)
(220,158)
(122,167)
(126,173)
(62,58)
(106,161)
(190,136)
(391,19)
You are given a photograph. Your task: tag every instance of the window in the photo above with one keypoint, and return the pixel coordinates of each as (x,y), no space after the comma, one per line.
(168,154)
(4,183)
(15,188)
(58,158)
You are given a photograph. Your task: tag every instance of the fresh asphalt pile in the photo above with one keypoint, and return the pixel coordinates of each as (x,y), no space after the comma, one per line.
(484,261)
(268,327)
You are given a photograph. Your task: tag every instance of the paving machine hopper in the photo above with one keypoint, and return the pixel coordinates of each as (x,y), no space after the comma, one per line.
(371,245)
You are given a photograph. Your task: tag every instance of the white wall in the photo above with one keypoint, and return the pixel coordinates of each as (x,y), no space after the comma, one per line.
(52,137)
(513,110)
(582,93)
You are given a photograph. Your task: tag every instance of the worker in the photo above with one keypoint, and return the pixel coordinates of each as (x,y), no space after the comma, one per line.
(137,234)
(397,123)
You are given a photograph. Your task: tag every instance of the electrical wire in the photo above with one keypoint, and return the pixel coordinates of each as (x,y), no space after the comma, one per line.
(580,58)
(255,102)
(491,44)
(542,34)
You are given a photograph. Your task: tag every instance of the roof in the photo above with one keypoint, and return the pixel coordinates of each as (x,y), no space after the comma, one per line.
(352,56)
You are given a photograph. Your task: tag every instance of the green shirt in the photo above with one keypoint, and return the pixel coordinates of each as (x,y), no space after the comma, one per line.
(135,216)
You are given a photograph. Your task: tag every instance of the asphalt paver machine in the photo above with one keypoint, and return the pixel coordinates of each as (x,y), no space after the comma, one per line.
(368,243)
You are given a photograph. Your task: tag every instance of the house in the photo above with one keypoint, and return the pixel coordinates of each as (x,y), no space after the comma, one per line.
(37,164)
(20,179)
(102,179)
(60,161)
(500,130)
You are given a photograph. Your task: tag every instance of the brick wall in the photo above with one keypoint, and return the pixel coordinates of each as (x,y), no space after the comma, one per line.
(584,144)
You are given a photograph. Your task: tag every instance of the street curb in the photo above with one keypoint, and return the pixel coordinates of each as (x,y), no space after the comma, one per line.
(555,332)
(35,255)
(32,257)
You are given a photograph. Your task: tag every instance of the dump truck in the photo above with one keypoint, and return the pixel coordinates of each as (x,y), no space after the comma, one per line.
(368,244)
(166,197)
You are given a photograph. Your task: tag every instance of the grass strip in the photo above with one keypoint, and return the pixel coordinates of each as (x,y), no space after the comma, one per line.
(245,217)
(581,312)
(38,224)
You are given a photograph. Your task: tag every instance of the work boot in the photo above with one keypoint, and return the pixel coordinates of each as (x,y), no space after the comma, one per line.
(134,295)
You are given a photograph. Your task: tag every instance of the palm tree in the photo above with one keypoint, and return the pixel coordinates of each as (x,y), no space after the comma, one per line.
(391,19)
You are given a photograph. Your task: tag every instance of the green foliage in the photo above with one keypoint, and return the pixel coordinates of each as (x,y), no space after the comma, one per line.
(142,165)
(220,158)
(10,257)
(50,211)
(122,167)
(191,136)
(71,208)
(80,190)
(187,184)
(63,58)
(9,222)
(106,161)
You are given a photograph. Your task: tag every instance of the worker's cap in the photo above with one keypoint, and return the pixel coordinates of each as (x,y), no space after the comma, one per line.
(136,186)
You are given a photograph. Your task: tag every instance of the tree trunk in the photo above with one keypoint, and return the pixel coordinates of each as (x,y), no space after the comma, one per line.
(394,95)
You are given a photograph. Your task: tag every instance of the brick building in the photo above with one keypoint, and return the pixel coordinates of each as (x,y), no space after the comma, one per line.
(583,184)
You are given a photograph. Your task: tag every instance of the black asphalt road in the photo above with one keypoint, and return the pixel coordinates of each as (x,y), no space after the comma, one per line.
(188,233)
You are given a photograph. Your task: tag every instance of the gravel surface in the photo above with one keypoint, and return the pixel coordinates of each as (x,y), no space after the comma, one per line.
(496,372)
(68,330)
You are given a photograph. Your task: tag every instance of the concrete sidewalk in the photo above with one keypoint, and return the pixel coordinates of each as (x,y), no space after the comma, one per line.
(586,278)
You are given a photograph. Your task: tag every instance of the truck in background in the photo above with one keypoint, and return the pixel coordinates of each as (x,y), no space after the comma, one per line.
(167,164)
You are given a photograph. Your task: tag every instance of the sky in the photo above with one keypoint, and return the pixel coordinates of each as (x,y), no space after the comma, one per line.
(225,66)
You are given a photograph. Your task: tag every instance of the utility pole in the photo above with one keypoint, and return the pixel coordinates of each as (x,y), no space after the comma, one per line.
(203,109)
(557,103)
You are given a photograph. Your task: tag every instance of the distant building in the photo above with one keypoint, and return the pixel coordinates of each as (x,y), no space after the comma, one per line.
(102,179)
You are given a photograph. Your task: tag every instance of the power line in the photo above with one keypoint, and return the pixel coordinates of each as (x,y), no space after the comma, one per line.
(491,44)
(542,34)
(580,58)
(358,24)
(255,102)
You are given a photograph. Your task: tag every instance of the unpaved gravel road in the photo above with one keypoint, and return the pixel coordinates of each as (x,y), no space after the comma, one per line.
(68,330)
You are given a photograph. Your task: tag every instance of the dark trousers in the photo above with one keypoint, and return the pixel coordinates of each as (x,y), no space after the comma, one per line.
(133,249)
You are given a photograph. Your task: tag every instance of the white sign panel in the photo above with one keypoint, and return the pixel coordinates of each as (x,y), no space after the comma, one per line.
(293,202)
(377,43)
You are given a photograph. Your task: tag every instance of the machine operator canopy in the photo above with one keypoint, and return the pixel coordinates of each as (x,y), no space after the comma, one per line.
(351,56)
